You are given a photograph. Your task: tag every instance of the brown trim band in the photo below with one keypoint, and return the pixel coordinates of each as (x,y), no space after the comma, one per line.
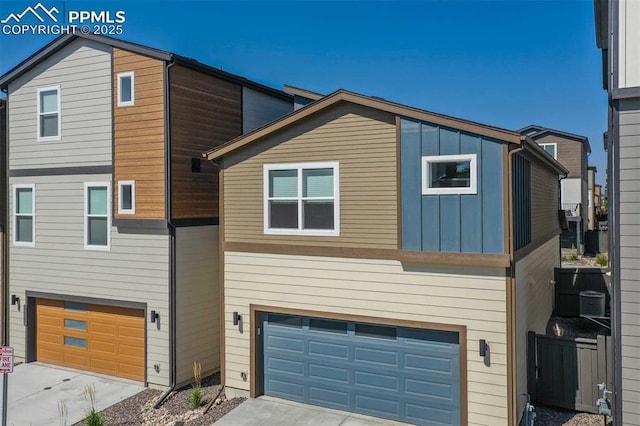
(257,310)
(529,248)
(416,257)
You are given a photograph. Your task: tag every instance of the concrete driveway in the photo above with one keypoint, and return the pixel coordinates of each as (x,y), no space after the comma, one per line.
(266,411)
(36,390)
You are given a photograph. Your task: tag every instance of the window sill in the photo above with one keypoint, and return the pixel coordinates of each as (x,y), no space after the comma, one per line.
(304,232)
(49,138)
(98,248)
(23,244)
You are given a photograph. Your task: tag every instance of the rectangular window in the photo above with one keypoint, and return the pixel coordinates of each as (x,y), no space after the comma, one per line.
(449,174)
(24,224)
(126,89)
(75,324)
(75,342)
(302,199)
(551,148)
(126,197)
(75,306)
(97,205)
(49,113)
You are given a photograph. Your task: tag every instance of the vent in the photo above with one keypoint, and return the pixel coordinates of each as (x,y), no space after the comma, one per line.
(592,304)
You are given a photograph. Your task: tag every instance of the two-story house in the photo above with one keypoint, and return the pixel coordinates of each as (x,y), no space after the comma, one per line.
(591,197)
(113,211)
(385,260)
(572,152)
(617,35)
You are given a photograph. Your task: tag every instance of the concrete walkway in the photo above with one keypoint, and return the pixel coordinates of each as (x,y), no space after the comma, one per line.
(36,391)
(266,411)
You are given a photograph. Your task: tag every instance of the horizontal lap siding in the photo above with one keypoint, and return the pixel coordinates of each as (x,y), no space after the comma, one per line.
(361,139)
(386,289)
(83,71)
(629,256)
(205,112)
(544,201)
(134,270)
(139,134)
(197,300)
(534,302)
(569,153)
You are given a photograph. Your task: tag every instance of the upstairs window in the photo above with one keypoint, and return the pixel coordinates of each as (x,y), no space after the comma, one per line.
(449,174)
(97,219)
(126,89)
(302,199)
(49,113)
(126,197)
(24,215)
(551,148)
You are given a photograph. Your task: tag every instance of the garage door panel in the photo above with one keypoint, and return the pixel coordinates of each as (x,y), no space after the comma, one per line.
(382,371)
(91,337)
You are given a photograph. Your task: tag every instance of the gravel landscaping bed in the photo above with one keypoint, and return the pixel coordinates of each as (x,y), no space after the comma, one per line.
(558,417)
(138,410)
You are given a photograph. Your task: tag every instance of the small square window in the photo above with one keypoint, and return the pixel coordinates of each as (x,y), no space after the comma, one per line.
(126,197)
(551,148)
(449,174)
(126,89)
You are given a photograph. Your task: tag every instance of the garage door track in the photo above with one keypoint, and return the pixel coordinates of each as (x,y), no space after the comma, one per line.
(36,391)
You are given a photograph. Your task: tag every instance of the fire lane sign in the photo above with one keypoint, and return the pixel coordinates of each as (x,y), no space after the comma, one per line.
(6,359)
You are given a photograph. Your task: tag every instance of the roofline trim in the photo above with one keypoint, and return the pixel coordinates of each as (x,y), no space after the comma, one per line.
(303,93)
(379,104)
(533,147)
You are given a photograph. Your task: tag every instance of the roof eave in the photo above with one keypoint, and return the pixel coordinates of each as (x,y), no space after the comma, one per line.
(543,155)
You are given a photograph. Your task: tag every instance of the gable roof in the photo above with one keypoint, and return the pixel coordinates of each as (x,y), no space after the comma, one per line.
(303,93)
(539,131)
(64,40)
(367,101)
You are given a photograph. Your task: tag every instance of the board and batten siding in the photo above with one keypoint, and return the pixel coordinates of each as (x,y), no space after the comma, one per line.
(545,198)
(197,301)
(139,153)
(135,269)
(83,71)
(629,257)
(260,108)
(361,139)
(474,298)
(206,111)
(534,303)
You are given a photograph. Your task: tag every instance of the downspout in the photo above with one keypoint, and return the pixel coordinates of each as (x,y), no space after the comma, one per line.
(511,301)
(4,277)
(172,242)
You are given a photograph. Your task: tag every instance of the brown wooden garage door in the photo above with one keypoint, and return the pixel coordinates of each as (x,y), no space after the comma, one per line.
(98,338)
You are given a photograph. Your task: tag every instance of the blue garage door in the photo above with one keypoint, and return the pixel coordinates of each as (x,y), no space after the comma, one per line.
(404,374)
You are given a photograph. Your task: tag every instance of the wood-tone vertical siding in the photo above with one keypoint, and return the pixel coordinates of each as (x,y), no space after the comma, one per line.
(361,139)
(139,140)
(629,257)
(82,69)
(205,112)
(570,153)
(534,303)
(473,298)
(544,202)
(197,301)
(135,269)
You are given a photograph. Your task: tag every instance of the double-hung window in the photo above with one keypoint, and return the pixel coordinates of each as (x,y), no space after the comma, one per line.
(24,207)
(449,174)
(302,199)
(126,89)
(49,113)
(97,221)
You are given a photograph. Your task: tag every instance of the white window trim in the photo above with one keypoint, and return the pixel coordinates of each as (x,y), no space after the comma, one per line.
(555,148)
(15,215)
(122,103)
(335,165)
(473,174)
(87,246)
(122,210)
(38,114)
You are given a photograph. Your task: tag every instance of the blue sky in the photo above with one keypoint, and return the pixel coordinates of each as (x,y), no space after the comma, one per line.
(503,63)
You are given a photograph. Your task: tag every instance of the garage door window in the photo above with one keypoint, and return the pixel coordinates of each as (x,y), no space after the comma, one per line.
(376,331)
(75,324)
(75,342)
(75,306)
(97,220)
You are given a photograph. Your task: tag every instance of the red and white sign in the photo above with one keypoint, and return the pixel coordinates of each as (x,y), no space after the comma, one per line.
(6,359)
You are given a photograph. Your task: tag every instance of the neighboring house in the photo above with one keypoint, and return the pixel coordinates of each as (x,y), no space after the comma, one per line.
(368,251)
(301,97)
(597,200)
(114,214)
(571,151)
(617,34)
(591,200)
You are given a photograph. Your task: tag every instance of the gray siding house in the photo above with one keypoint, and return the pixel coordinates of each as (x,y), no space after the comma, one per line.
(617,34)
(109,246)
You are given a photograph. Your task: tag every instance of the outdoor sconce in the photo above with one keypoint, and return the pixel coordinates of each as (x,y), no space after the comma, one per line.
(15,300)
(483,347)
(155,316)
(236,318)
